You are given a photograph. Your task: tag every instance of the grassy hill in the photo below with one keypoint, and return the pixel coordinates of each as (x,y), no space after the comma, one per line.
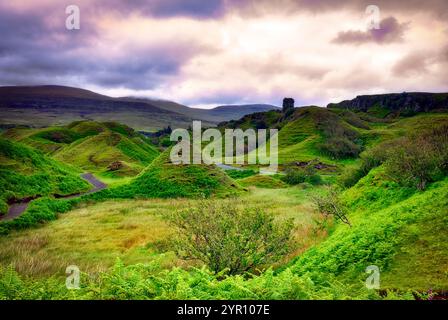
(27,173)
(333,136)
(109,148)
(162,179)
(402,231)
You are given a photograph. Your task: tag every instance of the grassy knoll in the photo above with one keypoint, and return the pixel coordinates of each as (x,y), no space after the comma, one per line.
(162,179)
(108,149)
(25,172)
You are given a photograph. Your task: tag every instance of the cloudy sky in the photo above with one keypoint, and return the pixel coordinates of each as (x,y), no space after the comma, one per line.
(208,52)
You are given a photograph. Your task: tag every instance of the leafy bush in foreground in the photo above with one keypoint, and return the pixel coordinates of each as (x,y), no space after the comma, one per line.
(230,239)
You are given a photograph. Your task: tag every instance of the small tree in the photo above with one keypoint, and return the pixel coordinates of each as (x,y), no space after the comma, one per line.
(329,204)
(226,237)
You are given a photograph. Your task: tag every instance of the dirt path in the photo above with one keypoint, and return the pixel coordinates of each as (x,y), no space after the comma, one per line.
(16,209)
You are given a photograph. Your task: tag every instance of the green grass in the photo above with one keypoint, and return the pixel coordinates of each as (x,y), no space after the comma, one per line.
(94,236)
(401,230)
(162,179)
(92,146)
(391,224)
(240,174)
(263,181)
(25,172)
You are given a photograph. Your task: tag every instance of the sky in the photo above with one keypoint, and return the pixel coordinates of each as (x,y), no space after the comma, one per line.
(204,53)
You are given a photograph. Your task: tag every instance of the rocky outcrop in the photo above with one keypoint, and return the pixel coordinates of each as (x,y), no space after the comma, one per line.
(396,103)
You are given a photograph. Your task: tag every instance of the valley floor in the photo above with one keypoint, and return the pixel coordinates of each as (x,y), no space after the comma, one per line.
(94,236)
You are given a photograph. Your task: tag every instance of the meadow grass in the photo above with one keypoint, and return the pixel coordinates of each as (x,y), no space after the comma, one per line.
(93,236)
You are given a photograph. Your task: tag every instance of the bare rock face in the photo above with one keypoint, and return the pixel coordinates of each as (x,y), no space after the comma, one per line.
(288,104)
(406,103)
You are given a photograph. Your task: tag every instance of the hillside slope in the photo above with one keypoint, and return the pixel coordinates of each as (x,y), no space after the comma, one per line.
(333,136)
(106,148)
(212,116)
(396,104)
(27,173)
(402,231)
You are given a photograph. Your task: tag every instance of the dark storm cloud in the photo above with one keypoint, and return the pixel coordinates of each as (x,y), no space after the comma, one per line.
(390,31)
(202,9)
(33,51)
(144,68)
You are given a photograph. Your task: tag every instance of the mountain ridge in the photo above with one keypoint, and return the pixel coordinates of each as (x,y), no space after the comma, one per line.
(59,105)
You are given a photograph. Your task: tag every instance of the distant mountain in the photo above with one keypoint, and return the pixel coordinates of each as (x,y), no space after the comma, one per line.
(218,114)
(50,105)
(49,91)
(394,104)
(234,112)
(55,105)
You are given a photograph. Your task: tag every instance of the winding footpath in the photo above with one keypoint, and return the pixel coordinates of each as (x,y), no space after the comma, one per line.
(16,209)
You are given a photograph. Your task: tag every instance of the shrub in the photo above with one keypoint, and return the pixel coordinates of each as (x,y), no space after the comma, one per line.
(329,204)
(296,176)
(340,148)
(419,159)
(240,174)
(228,238)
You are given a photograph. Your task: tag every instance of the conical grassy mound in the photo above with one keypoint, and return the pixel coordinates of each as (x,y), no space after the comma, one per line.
(163,179)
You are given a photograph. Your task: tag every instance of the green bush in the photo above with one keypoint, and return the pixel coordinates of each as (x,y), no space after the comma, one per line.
(340,148)
(420,158)
(230,239)
(240,174)
(294,176)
